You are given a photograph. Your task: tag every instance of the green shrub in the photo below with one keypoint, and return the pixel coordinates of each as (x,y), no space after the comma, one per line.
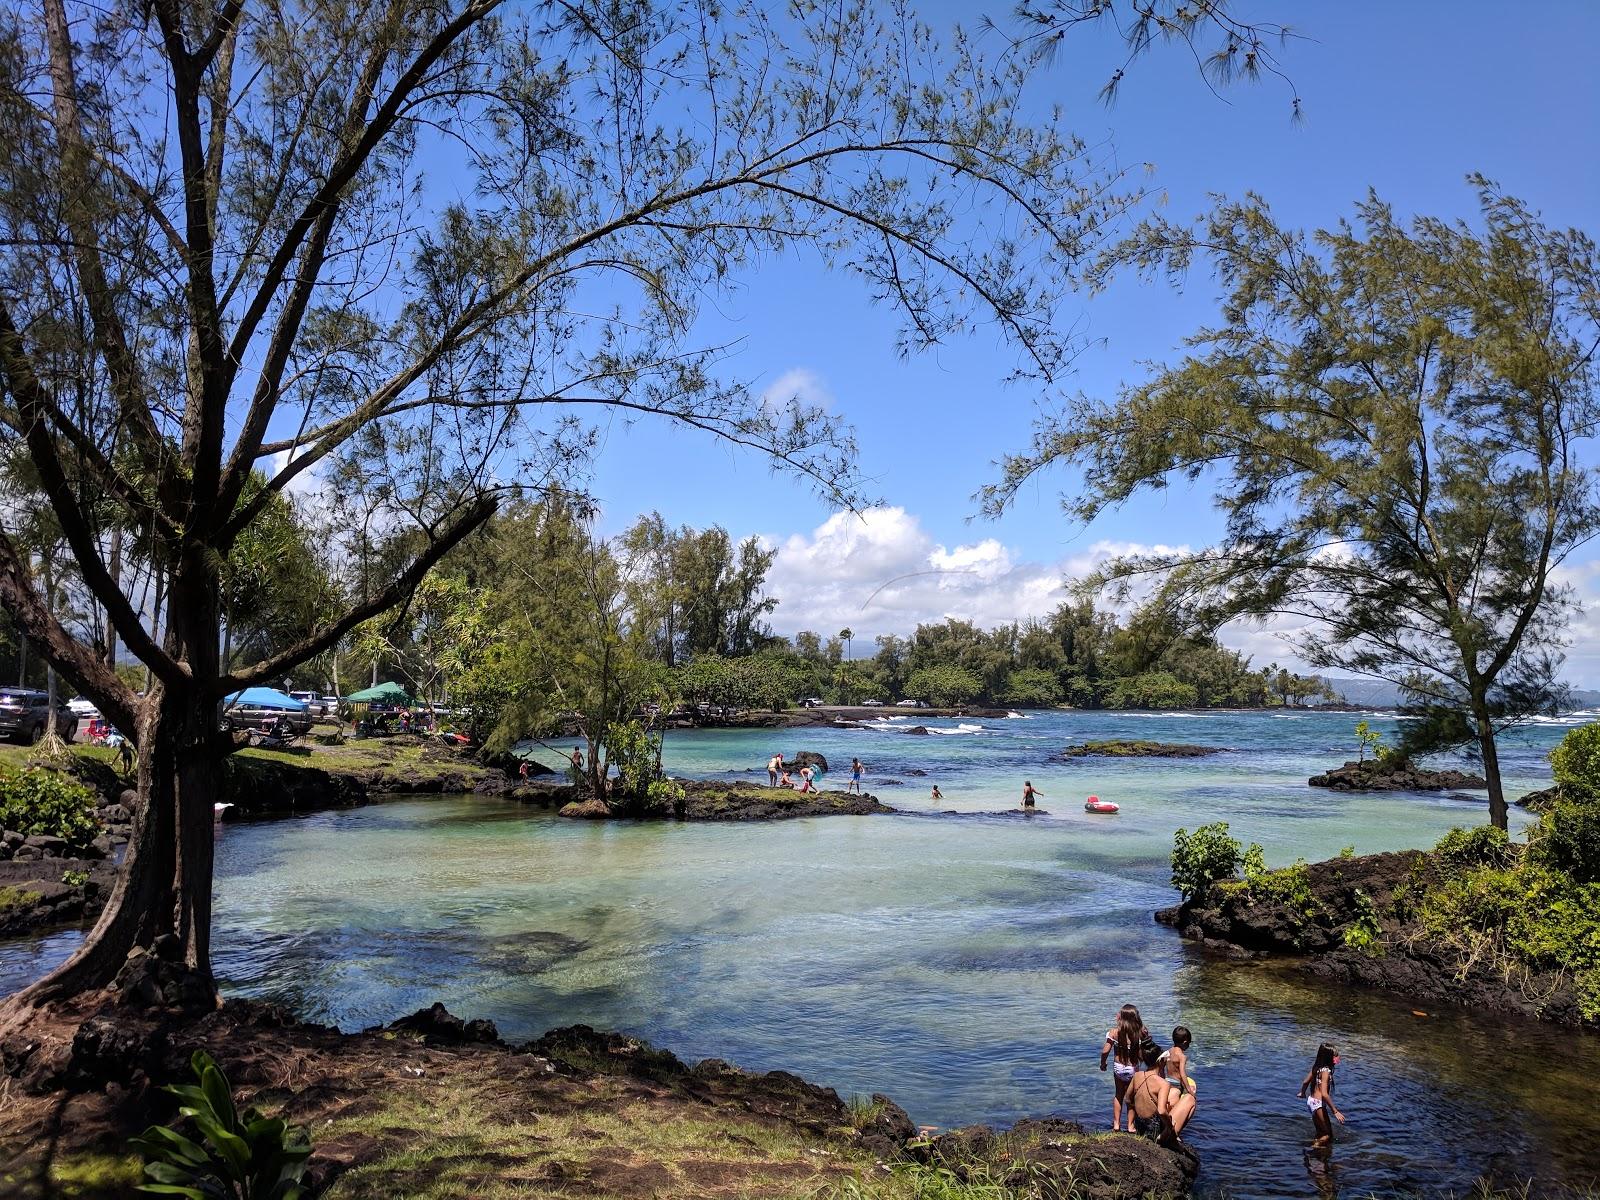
(1568,839)
(74,878)
(1203,858)
(1365,933)
(241,1156)
(38,801)
(1480,846)
(1576,761)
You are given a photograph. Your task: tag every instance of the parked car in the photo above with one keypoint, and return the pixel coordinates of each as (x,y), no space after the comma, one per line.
(811,702)
(872,704)
(82,706)
(257,717)
(908,703)
(25,712)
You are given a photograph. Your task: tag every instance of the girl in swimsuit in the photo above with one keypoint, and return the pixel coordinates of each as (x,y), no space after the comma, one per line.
(1122,1048)
(1317,1091)
(1028,793)
(1175,1067)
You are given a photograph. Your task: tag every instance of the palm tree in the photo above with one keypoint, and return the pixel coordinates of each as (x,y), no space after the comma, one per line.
(845,635)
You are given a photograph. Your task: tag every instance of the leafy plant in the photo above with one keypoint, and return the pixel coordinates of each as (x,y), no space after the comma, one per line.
(1368,739)
(37,801)
(668,795)
(74,878)
(1203,858)
(1365,933)
(1480,846)
(1568,839)
(240,1157)
(1576,762)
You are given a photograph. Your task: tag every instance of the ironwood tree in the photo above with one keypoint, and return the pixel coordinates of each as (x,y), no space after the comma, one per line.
(1394,419)
(403,247)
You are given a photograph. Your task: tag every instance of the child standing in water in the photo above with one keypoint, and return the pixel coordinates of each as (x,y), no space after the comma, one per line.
(1122,1047)
(1317,1091)
(937,794)
(1175,1068)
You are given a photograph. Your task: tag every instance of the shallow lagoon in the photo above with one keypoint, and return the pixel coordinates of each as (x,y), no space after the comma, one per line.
(966,964)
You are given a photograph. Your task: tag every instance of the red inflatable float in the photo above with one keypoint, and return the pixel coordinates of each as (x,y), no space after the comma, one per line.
(1096,805)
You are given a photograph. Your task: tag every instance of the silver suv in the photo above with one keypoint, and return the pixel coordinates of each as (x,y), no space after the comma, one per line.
(25,712)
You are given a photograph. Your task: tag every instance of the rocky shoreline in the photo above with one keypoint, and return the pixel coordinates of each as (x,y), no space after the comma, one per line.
(1355,921)
(431,1100)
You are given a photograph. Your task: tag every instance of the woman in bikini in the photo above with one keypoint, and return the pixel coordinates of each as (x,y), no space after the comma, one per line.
(1028,793)
(1122,1048)
(1149,1099)
(1317,1091)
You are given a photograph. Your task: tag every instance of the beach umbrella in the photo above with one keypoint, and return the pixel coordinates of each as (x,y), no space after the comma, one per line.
(263,697)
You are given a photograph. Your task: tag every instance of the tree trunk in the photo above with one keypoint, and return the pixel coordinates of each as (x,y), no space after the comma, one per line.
(22,658)
(1491,762)
(165,884)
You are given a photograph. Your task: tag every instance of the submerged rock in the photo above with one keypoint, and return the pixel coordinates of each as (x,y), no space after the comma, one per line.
(1137,749)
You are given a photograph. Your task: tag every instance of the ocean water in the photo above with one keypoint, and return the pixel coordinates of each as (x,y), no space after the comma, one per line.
(962,958)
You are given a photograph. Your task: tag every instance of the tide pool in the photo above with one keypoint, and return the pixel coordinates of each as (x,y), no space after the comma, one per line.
(966,962)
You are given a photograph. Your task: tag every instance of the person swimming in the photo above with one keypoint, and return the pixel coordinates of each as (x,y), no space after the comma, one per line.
(937,794)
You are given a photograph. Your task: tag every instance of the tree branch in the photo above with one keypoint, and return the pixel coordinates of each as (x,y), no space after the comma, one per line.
(328,635)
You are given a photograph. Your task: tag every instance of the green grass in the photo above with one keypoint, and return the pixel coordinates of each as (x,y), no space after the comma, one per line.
(461,1135)
(14,897)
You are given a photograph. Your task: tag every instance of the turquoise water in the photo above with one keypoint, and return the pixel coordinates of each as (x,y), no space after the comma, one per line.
(966,964)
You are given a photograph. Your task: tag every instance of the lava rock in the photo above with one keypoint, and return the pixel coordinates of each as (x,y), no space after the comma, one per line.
(48,845)
(593,809)
(807,758)
(440,1027)
(1384,776)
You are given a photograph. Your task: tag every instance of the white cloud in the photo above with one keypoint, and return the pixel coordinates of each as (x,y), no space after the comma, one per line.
(882,572)
(797,384)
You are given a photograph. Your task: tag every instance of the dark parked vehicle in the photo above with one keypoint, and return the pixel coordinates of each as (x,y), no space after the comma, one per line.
(24,714)
(259,718)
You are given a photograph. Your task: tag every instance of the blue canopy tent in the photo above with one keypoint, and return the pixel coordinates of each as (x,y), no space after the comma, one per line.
(262,697)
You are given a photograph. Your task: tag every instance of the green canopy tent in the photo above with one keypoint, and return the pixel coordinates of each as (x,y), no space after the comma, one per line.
(384,693)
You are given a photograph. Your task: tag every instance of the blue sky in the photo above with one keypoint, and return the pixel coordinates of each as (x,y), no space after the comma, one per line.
(1406,98)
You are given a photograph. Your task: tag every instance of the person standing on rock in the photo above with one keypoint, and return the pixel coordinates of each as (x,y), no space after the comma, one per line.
(774,769)
(1317,1091)
(855,776)
(806,774)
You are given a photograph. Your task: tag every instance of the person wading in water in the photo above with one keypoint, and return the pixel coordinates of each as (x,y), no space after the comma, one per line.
(1317,1091)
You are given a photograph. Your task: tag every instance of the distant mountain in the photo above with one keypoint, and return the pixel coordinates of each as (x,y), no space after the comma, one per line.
(1378,693)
